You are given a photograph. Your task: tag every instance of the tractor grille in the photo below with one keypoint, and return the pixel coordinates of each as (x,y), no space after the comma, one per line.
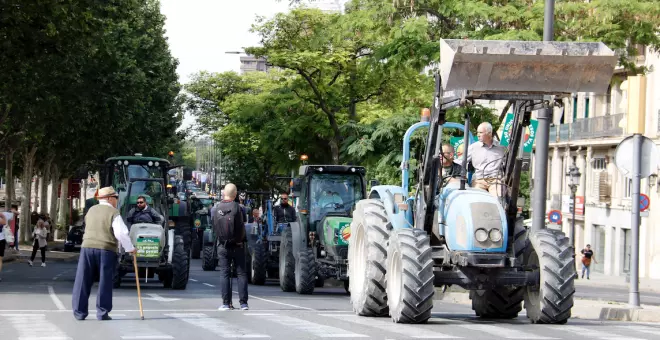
(486,216)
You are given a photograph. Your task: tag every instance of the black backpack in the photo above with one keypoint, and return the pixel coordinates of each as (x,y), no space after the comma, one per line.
(223,220)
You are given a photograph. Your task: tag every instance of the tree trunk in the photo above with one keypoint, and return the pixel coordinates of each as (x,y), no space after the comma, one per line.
(64,206)
(45,181)
(9,174)
(55,182)
(37,191)
(28,162)
(334,148)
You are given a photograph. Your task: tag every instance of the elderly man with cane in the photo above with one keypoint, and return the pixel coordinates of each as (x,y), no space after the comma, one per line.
(104,230)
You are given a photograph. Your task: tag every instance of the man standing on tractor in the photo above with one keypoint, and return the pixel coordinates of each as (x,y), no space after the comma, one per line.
(229,230)
(143,213)
(487,157)
(284,212)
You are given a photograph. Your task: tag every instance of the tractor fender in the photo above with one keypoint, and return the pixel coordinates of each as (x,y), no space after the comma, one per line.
(209,237)
(385,193)
(299,238)
(170,243)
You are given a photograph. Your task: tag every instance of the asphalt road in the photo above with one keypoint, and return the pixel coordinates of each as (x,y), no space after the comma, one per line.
(35,304)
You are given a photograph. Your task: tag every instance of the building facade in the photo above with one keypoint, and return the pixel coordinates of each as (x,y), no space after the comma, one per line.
(586,133)
(253,64)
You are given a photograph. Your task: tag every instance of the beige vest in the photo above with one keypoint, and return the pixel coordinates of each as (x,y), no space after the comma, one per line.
(98,228)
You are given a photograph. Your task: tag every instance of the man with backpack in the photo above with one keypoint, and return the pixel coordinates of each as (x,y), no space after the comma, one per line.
(229,230)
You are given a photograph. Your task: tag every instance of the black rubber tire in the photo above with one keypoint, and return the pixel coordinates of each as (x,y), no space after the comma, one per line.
(180,264)
(305,272)
(183,229)
(410,276)
(520,241)
(319,283)
(551,301)
(166,278)
(258,265)
(368,283)
(498,303)
(208,263)
(347,287)
(287,262)
(196,248)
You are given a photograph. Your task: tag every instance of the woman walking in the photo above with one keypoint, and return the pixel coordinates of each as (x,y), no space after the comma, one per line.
(3,240)
(39,234)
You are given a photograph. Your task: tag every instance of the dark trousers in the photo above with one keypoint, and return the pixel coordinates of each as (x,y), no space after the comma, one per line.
(91,262)
(35,247)
(225,257)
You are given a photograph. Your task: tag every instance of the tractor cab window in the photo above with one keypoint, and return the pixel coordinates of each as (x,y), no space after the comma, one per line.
(122,174)
(333,193)
(153,192)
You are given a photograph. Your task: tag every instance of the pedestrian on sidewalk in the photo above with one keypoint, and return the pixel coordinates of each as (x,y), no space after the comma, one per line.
(229,228)
(40,235)
(14,210)
(3,241)
(587,256)
(105,229)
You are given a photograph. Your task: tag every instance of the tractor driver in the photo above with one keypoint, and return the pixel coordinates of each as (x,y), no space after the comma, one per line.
(284,212)
(450,171)
(486,156)
(143,213)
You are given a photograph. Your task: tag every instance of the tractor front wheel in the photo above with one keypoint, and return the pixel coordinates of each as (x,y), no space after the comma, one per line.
(180,264)
(287,262)
(209,262)
(498,303)
(305,272)
(550,301)
(258,265)
(410,276)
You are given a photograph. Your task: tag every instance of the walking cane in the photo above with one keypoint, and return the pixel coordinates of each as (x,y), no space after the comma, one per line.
(137,282)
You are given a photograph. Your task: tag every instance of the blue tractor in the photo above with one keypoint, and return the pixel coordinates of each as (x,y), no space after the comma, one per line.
(404,244)
(264,242)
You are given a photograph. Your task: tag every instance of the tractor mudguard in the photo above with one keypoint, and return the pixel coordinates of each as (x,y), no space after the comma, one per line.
(209,237)
(386,195)
(299,238)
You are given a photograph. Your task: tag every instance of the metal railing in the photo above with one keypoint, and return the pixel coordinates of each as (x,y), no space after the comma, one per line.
(587,128)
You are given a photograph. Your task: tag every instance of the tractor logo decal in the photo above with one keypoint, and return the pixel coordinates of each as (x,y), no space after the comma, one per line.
(198,223)
(345,232)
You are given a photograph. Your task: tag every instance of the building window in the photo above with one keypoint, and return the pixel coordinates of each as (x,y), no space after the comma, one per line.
(599,248)
(599,164)
(627,187)
(627,249)
(586,107)
(575,102)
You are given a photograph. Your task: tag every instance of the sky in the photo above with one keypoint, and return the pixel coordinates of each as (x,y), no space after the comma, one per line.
(199,32)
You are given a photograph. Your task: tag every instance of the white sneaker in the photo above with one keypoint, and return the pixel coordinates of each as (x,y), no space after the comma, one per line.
(43,264)
(30,263)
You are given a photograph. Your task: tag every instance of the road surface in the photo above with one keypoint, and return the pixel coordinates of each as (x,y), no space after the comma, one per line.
(35,304)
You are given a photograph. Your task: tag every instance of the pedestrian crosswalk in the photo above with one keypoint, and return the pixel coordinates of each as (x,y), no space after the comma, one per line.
(296,324)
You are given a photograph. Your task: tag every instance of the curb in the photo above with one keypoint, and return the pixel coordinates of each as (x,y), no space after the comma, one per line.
(24,258)
(582,308)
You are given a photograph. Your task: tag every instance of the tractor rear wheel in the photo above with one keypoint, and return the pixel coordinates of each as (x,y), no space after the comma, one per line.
(305,272)
(258,265)
(410,276)
(180,264)
(209,263)
(550,301)
(367,258)
(287,262)
(498,303)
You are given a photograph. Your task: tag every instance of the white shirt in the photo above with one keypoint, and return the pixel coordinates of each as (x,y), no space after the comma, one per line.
(120,230)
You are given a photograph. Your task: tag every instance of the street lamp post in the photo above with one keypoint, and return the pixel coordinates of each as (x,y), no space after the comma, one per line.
(573,177)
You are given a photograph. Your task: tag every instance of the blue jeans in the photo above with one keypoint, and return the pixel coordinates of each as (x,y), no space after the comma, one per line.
(587,269)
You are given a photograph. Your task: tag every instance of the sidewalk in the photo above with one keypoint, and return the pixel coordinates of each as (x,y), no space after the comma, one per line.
(610,281)
(54,253)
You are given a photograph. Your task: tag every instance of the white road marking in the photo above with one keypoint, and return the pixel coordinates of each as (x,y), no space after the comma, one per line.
(159,298)
(504,332)
(317,329)
(193,280)
(388,326)
(592,333)
(643,329)
(55,299)
(257,314)
(208,284)
(145,337)
(138,330)
(215,326)
(280,303)
(35,327)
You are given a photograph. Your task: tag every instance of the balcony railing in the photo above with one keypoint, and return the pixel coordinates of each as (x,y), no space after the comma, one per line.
(587,128)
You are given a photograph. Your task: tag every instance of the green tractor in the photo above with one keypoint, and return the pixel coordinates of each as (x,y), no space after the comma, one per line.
(315,247)
(200,215)
(163,248)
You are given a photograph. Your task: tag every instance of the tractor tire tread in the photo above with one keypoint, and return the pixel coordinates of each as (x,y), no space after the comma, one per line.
(287,262)
(259,265)
(208,263)
(306,272)
(180,264)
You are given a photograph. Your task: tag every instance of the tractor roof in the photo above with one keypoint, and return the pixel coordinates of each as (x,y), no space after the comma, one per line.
(334,169)
(138,159)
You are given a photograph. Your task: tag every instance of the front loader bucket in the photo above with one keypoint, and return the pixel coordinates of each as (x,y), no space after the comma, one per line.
(526,66)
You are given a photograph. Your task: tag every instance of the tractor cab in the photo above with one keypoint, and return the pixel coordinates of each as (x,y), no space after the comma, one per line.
(153,192)
(328,194)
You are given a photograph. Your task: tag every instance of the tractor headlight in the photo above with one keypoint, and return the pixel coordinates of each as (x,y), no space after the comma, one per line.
(495,235)
(481,235)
